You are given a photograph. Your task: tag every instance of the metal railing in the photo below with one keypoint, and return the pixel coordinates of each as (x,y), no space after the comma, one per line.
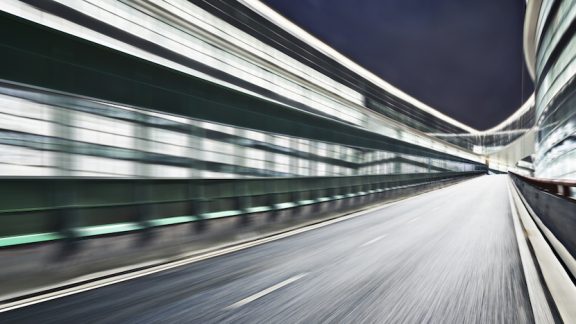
(44,209)
(564,188)
(553,207)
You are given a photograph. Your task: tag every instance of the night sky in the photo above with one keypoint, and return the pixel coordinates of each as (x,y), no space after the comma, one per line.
(462,57)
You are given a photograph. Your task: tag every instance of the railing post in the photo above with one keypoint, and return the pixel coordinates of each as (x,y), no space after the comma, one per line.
(271,200)
(317,194)
(193,208)
(241,201)
(66,216)
(201,206)
(144,208)
(295,198)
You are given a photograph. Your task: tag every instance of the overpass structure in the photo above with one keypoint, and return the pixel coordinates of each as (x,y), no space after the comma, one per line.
(133,131)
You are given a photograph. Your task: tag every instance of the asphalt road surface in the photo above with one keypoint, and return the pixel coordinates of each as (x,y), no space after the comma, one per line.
(448,256)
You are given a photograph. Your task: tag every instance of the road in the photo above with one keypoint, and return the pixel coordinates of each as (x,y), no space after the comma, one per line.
(447,256)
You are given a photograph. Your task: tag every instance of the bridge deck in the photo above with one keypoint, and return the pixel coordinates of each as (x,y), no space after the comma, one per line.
(448,256)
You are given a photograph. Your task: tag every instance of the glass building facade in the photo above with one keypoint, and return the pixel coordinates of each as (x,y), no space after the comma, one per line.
(208,89)
(51,134)
(554,55)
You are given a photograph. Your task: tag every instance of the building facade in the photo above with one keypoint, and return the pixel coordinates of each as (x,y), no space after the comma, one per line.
(550,50)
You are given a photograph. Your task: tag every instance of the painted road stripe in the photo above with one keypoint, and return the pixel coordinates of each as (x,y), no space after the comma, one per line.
(265,291)
(412,220)
(374,240)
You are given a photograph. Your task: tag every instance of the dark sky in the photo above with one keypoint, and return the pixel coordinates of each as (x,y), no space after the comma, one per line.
(462,57)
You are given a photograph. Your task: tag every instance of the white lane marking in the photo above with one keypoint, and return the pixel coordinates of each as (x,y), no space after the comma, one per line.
(374,240)
(265,292)
(412,220)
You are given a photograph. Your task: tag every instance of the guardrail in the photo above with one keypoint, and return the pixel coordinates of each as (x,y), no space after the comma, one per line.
(36,210)
(548,217)
(551,202)
(564,188)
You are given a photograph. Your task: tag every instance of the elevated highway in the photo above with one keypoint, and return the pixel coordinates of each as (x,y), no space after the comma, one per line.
(447,256)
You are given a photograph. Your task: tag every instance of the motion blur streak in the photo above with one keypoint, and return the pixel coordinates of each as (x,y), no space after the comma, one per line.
(137,132)
(458,263)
